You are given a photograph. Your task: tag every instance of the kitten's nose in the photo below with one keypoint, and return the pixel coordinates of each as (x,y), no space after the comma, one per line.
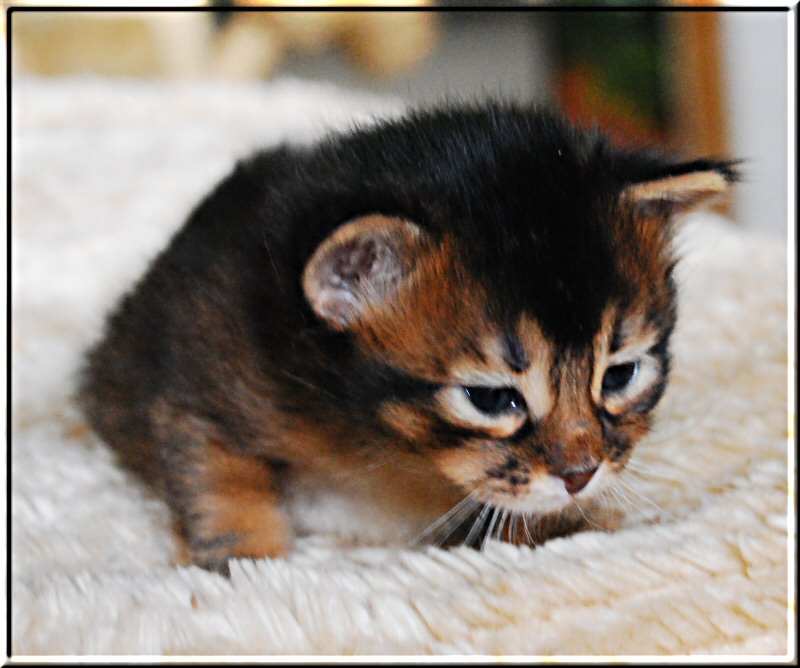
(575,481)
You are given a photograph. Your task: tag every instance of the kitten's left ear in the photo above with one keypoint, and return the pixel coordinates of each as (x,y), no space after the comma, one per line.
(686,187)
(360,266)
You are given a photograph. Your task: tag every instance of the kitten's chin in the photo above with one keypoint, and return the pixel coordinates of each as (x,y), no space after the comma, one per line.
(546,495)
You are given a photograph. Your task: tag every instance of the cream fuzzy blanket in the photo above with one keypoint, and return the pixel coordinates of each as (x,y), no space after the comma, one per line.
(103,172)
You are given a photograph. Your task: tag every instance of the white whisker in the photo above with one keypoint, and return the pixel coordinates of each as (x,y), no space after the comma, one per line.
(620,497)
(527,531)
(460,509)
(307,384)
(646,500)
(606,498)
(457,520)
(629,503)
(503,521)
(491,527)
(357,471)
(512,529)
(648,472)
(279,283)
(701,412)
(478,524)
(583,514)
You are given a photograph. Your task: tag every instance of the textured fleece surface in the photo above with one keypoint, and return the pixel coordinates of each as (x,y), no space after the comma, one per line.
(103,173)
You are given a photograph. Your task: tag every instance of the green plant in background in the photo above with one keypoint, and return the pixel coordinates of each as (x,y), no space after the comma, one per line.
(610,70)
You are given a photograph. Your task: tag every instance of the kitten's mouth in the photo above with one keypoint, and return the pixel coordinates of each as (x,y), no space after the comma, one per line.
(547,493)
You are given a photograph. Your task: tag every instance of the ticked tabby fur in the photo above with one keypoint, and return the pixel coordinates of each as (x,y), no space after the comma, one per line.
(479,297)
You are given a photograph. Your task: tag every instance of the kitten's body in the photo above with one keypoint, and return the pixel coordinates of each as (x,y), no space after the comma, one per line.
(344,308)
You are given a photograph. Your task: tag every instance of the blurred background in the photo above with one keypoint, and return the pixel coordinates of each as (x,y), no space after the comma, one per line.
(710,83)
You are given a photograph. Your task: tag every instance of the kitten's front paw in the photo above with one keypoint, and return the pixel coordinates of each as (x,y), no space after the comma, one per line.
(220,566)
(228,509)
(214,554)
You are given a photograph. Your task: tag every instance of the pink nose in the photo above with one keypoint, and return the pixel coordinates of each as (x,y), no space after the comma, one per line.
(575,481)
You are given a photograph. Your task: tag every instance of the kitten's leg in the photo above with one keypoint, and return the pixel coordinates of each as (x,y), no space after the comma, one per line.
(234,510)
(225,503)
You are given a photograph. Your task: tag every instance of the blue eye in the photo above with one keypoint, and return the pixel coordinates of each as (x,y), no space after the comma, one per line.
(619,376)
(495,400)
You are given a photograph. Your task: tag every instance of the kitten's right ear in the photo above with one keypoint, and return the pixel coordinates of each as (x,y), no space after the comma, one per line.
(359,267)
(687,186)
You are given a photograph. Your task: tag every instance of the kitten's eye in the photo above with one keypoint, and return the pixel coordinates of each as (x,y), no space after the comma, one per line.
(618,377)
(495,400)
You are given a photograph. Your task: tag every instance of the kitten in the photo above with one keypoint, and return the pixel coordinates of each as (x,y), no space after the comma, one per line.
(474,300)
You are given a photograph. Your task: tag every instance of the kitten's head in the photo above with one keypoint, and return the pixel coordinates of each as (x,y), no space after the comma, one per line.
(521,320)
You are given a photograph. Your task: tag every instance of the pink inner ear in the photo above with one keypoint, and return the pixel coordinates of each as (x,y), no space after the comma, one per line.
(354,259)
(358,266)
(678,192)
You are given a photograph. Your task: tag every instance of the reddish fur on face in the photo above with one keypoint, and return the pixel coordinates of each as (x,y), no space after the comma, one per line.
(438,315)
(439,334)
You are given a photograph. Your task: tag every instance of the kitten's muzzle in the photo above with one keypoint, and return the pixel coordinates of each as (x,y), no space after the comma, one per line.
(573,451)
